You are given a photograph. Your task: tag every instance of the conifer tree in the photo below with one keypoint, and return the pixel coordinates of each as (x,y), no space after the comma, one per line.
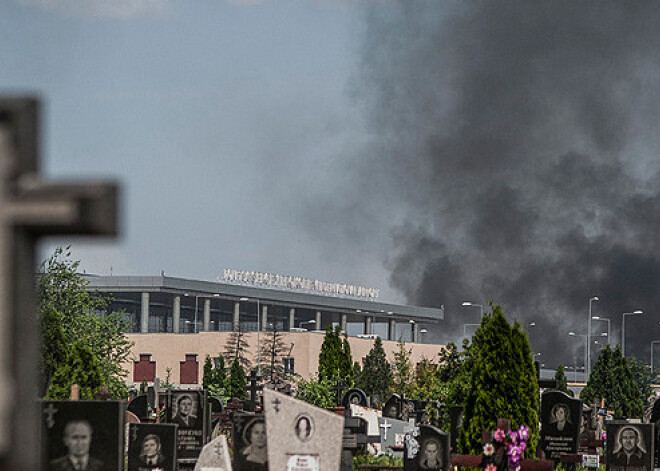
(346,366)
(376,375)
(220,373)
(237,347)
(502,383)
(357,376)
(402,374)
(82,368)
(207,376)
(561,379)
(273,349)
(613,381)
(330,356)
(237,381)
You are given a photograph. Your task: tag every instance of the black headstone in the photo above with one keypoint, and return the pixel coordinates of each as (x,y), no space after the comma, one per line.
(629,447)
(655,420)
(151,446)
(99,423)
(249,442)
(392,407)
(139,406)
(355,396)
(429,449)
(188,410)
(560,424)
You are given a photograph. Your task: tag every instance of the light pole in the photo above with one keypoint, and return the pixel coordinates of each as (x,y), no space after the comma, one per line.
(623,329)
(481,308)
(258,335)
(468,325)
(586,340)
(655,341)
(597,318)
(423,331)
(588,367)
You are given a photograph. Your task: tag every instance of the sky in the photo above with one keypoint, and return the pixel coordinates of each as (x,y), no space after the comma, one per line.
(442,152)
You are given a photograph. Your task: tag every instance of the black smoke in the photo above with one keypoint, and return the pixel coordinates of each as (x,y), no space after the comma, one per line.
(518,138)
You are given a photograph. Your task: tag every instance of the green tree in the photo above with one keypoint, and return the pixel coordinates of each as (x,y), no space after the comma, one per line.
(273,349)
(612,380)
(207,376)
(642,378)
(502,383)
(402,371)
(237,347)
(346,365)
(220,374)
(316,391)
(562,380)
(376,376)
(70,313)
(331,356)
(81,367)
(237,381)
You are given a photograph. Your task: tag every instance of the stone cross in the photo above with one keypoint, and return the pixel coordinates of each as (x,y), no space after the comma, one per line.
(254,387)
(385,425)
(31,208)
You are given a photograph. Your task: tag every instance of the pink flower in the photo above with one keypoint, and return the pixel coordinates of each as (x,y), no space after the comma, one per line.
(523,432)
(514,452)
(489,449)
(499,435)
(604,435)
(522,446)
(513,436)
(491,467)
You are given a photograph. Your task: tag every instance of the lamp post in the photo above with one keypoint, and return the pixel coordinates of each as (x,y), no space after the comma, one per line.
(654,341)
(258,335)
(481,308)
(586,340)
(468,325)
(597,318)
(623,329)
(588,366)
(423,331)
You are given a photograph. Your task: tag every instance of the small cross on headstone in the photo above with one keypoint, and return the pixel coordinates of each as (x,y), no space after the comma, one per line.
(385,425)
(276,405)
(30,208)
(50,411)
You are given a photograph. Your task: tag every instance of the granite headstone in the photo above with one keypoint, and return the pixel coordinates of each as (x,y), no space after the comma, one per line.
(152,447)
(560,424)
(629,447)
(392,435)
(250,442)
(355,396)
(427,449)
(214,456)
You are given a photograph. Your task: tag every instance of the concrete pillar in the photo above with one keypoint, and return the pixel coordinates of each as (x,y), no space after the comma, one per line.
(264,318)
(391,330)
(318,325)
(237,318)
(367,324)
(176,314)
(144,317)
(292,318)
(415,332)
(343,323)
(207,314)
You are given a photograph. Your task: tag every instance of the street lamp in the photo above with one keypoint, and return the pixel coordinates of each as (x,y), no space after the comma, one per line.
(595,298)
(623,329)
(258,335)
(586,340)
(481,308)
(598,318)
(423,331)
(655,341)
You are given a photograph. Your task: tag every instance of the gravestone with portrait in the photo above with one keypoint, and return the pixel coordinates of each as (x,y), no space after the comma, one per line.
(392,435)
(426,447)
(151,447)
(630,447)
(392,407)
(560,424)
(301,437)
(654,418)
(249,442)
(371,416)
(83,435)
(355,396)
(186,408)
(214,456)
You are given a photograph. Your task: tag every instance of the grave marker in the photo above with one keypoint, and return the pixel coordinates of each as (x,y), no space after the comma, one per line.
(426,448)
(214,456)
(250,442)
(31,208)
(355,396)
(629,447)
(301,437)
(151,447)
(392,435)
(560,424)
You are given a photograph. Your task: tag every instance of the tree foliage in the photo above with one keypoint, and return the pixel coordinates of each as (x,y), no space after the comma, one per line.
(642,377)
(81,367)
(561,379)
(237,347)
(273,349)
(502,384)
(237,381)
(376,375)
(612,380)
(402,374)
(70,313)
(335,358)
(316,391)
(215,377)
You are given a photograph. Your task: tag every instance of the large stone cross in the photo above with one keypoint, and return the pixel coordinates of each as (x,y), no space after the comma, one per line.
(31,208)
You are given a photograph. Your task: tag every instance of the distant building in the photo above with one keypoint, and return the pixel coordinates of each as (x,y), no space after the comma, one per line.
(167,309)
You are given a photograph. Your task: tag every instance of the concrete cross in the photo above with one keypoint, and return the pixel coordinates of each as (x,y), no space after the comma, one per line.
(411,429)
(31,208)
(385,425)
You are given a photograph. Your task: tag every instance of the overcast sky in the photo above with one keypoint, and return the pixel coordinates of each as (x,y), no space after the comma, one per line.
(439,151)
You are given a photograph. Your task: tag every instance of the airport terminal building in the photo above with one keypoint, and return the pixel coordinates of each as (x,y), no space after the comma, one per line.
(165,313)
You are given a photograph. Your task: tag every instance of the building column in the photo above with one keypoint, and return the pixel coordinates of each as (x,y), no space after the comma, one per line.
(318,321)
(237,318)
(292,318)
(144,317)
(176,315)
(415,332)
(264,318)
(207,314)
(367,324)
(391,330)
(342,324)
